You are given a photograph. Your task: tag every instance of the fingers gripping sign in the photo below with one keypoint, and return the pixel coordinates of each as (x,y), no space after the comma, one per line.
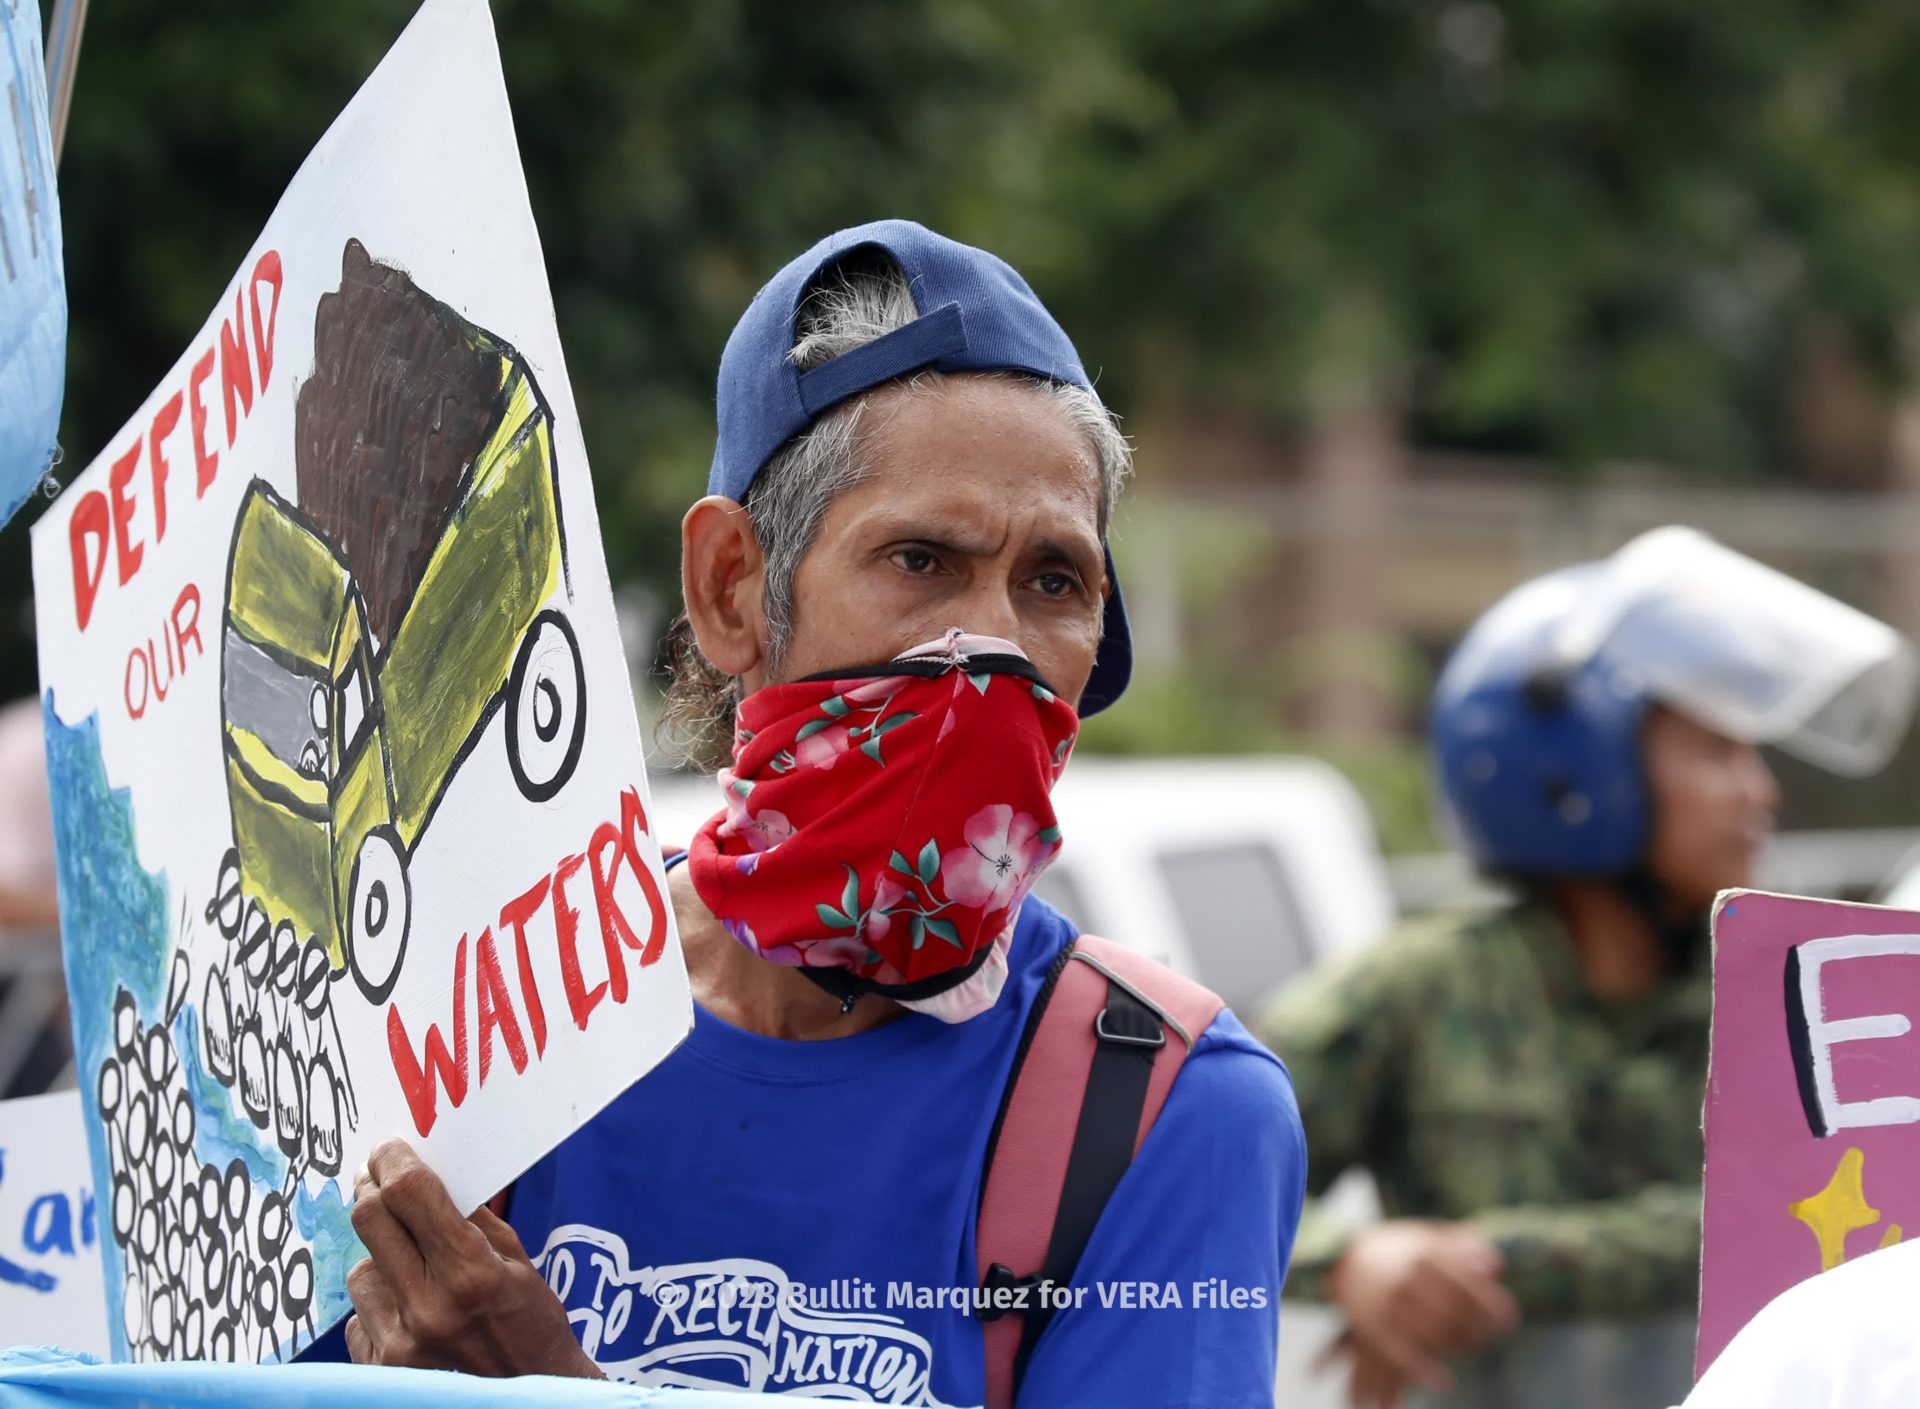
(439,1291)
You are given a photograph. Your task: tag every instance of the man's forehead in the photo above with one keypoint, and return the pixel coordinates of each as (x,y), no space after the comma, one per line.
(970,428)
(987,487)
(1677,723)
(968,518)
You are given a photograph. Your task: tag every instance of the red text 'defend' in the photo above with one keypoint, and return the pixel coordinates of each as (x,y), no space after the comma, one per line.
(225,376)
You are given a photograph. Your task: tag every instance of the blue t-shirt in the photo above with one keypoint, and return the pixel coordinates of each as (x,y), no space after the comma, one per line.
(789,1216)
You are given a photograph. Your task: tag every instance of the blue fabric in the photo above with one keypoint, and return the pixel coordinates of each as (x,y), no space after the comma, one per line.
(35,1378)
(977,315)
(33,290)
(757,1165)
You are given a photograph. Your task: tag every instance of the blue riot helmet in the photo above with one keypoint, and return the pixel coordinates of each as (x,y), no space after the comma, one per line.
(1536,719)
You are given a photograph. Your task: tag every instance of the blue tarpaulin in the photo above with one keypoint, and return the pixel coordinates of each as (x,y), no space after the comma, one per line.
(33,289)
(32,1378)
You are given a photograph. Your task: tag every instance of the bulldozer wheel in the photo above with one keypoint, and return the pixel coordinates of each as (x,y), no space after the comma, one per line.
(379,911)
(546,707)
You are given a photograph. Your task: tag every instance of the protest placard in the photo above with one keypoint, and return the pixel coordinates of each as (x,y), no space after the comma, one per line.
(1813,1097)
(50,1291)
(348,789)
(33,290)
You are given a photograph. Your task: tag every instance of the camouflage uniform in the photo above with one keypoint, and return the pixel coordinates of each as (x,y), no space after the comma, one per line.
(1465,1064)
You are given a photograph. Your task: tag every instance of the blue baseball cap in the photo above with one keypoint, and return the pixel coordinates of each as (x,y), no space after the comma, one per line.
(976,315)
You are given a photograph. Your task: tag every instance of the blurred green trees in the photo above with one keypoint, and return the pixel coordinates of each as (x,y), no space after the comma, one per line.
(1587,230)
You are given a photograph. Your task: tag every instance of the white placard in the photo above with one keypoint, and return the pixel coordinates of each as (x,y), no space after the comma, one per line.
(348,786)
(50,1291)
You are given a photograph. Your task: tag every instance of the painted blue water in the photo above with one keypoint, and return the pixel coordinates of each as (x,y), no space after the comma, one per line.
(113,920)
(322,1220)
(220,1133)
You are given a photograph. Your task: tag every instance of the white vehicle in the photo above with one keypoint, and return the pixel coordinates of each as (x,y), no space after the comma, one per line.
(1902,892)
(1241,872)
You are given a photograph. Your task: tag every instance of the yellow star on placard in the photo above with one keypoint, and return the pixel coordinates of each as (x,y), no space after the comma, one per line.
(1838,1210)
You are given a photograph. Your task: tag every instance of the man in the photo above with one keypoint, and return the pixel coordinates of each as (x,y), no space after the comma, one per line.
(1525,1084)
(897,592)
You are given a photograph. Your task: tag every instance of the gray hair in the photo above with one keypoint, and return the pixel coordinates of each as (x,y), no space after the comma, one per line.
(854,303)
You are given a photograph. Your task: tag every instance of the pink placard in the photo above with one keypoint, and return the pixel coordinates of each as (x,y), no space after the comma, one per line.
(1813,1097)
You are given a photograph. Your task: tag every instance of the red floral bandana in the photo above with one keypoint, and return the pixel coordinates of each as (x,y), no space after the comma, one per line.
(887,823)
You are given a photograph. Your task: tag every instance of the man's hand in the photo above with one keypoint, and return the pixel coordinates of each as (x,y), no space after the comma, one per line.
(445,1292)
(1375,1384)
(1416,1294)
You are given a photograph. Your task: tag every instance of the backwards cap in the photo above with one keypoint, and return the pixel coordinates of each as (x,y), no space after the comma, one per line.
(976,315)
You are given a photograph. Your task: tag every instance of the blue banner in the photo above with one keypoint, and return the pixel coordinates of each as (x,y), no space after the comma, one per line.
(46,1378)
(33,291)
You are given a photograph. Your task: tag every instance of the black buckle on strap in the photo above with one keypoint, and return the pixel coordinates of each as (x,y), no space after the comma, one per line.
(1127,1024)
(1002,1292)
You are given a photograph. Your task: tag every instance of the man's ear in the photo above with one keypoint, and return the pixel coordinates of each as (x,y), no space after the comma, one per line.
(723,579)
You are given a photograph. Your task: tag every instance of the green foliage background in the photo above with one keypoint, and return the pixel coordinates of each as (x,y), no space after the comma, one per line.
(1582,229)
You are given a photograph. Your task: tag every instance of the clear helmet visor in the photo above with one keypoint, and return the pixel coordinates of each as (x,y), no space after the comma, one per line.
(1747,651)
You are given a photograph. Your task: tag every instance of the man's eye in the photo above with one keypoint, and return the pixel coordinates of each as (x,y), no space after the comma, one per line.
(1054,584)
(915,560)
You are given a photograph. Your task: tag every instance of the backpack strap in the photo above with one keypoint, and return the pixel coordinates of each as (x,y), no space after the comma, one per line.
(1104,1040)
